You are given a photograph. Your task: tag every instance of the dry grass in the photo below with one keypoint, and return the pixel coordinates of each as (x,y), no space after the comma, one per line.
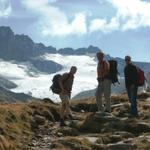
(15,122)
(143,142)
(13,129)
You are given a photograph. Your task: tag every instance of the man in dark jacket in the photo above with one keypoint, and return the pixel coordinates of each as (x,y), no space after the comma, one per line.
(131,82)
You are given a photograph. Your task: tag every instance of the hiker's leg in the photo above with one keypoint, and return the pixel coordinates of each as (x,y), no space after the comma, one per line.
(98,94)
(67,110)
(63,106)
(63,109)
(129,94)
(134,110)
(107,94)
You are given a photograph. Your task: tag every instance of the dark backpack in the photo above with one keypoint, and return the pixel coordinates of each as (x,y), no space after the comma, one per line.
(141,77)
(113,71)
(55,87)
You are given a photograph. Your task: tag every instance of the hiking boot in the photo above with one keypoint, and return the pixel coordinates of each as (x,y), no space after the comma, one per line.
(101,112)
(107,111)
(62,123)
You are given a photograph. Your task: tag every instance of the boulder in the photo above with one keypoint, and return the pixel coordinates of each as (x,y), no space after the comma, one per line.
(121,146)
(67,131)
(95,122)
(40,120)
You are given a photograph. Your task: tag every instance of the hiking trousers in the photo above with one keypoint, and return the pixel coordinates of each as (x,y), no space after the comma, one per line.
(65,104)
(104,87)
(132,95)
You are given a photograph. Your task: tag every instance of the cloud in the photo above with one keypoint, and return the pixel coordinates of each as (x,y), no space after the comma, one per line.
(103,25)
(54,22)
(5,8)
(131,14)
(98,24)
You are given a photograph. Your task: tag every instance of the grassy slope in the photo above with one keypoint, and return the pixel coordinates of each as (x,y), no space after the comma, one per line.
(16,123)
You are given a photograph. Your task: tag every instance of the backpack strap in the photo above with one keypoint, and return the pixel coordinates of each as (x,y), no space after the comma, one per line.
(68,76)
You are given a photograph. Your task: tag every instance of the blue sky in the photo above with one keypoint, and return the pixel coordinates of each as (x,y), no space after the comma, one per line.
(118,27)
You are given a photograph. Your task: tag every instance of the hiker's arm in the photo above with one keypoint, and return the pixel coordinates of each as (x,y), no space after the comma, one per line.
(98,71)
(99,76)
(61,84)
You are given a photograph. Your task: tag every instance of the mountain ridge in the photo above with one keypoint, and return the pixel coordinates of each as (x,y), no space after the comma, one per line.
(24,51)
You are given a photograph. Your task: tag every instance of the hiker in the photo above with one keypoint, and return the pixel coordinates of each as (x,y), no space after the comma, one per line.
(131,83)
(66,82)
(104,84)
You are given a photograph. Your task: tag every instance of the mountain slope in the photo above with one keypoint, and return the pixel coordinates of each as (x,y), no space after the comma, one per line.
(6,83)
(21,48)
(8,96)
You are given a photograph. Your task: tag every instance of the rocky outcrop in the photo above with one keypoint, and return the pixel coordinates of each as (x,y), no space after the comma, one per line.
(21,48)
(42,48)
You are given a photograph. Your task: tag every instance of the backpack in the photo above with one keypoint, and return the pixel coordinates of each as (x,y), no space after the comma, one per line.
(55,87)
(113,71)
(141,77)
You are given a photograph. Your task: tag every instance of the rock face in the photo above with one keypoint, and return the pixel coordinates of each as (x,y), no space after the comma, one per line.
(42,48)
(80,51)
(17,47)
(21,48)
(84,51)
(7,39)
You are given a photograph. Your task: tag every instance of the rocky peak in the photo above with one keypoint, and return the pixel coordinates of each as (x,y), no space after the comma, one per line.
(5,32)
(66,51)
(93,49)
